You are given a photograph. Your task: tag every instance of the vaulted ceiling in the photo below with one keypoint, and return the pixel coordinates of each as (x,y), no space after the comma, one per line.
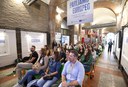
(105,11)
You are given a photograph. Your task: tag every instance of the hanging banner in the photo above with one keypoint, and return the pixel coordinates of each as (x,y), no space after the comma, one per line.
(79,11)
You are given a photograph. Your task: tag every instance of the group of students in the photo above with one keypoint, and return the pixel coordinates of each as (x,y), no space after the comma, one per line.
(76,60)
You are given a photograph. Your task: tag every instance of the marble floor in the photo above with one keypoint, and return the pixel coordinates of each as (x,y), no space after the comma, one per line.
(106,74)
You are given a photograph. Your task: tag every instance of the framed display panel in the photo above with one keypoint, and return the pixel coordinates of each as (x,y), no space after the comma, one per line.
(58,37)
(124,56)
(8,47)
(4,43)
(75,39)
(32,38)
(65,39)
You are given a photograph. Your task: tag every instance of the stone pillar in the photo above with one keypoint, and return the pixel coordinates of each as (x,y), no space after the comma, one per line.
(71,28)
(52,23)
(18,43)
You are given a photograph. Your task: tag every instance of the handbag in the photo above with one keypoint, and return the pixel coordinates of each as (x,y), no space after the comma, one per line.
(48,77)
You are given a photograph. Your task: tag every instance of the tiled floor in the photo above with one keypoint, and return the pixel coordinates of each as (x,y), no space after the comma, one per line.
(106,74)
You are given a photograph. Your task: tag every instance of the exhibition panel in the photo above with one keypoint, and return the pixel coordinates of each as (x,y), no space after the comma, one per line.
(32,38)
(8,47)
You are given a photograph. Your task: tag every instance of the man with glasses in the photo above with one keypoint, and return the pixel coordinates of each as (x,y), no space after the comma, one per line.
(73,72)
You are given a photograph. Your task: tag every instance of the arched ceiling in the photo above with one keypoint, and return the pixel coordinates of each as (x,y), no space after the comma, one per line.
(103,15)
(104,10)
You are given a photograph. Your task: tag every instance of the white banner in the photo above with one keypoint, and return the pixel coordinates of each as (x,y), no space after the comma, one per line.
(79,11)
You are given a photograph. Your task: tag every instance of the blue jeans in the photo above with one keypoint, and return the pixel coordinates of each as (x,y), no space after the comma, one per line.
(87,68)
(46,83)
(28,76)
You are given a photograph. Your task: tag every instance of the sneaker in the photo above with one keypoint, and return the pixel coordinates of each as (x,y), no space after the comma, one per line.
(17,85)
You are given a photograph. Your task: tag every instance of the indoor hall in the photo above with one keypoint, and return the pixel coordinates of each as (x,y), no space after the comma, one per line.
(90,33)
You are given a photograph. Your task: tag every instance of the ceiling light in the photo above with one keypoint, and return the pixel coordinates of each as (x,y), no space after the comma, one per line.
(59,10)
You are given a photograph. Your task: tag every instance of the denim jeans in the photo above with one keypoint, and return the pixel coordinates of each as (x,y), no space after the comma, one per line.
(28,76)
(87,68)
(46,83)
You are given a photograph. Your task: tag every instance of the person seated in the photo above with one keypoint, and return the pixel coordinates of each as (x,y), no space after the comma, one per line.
(67,54)
(96,49)
(73,71)
(37,68)
(28,64)
(93,53)
(51,74)
(62,55)
(81,51)
(87,59)
(100,47)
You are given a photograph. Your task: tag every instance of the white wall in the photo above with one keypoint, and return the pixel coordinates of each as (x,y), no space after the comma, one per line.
(40,39)
(10,44)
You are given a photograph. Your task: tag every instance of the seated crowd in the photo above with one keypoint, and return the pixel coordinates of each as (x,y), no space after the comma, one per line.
(66,63)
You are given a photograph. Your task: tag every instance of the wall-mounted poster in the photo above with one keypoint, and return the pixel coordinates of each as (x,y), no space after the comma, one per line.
(58,37)
(32,38)
(75,39)
(65,40)
(4,46)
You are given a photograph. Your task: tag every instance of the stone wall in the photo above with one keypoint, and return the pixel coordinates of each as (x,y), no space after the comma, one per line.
(14,14)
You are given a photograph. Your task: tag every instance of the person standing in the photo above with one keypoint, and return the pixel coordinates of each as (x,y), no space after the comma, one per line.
(110,46)
(54,45)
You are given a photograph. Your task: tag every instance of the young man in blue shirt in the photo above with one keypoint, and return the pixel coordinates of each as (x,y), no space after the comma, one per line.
(73,72)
